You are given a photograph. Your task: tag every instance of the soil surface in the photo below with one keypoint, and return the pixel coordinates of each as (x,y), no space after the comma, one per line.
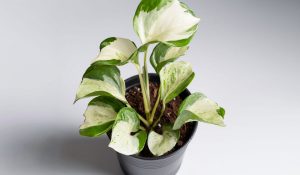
(135,98)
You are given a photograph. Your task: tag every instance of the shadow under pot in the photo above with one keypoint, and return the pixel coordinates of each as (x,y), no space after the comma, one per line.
(167,164)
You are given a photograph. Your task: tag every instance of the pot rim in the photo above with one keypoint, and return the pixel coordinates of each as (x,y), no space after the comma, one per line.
(195,125)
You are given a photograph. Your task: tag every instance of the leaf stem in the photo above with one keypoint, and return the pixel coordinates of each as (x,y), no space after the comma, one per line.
(161,114)
(144,121)
(154,108)
(146,76)
(142,128)
(142,82)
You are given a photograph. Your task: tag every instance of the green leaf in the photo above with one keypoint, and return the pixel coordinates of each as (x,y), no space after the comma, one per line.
(174,77)
(102,80)
(100,116)
(197,107)
(221,112)
(126,137)
(167,21)
(161,144)
(163,54)
(115,51)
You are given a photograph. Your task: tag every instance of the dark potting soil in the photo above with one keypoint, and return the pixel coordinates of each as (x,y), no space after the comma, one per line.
(135,98)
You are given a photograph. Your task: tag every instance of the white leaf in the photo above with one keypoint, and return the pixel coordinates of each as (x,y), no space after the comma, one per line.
(90,87)
(122,139)
(174,77)
(102,80)
(168,21)
(161,144)
(197,107)
(163,54)
(100,115)
(115,51)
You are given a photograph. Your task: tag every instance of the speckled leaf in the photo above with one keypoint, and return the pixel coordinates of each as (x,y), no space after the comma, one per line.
(126,137)
(168,21)
(163,54)
(197,107)
(161,144)
(115,51)
(100,116)
(102,80)
(174,77)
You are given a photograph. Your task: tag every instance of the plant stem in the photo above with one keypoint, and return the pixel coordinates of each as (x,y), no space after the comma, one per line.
(146,76)
(161,114)
(154,108)
(144,121)
(142,128)
(142,82)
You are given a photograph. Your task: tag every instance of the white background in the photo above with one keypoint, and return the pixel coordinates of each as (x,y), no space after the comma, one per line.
(245,56)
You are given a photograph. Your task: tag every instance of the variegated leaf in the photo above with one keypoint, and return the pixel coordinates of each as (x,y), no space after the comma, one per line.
(174,77)
(197,107)
(168,21)
(161,144)
(126,137)
(163,54)
(102,80)
(100,116)
(115,51)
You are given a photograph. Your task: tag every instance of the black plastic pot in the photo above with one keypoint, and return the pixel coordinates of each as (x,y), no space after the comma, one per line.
(167,164)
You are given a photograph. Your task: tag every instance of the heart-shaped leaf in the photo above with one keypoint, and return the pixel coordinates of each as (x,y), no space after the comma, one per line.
(163,54)
(126,137)
(115,51)
(102,80)
(161,144)
(100,116)
(168,21)
(174,77)
(197,107)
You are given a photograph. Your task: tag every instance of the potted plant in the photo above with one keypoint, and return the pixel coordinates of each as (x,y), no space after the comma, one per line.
(151,118)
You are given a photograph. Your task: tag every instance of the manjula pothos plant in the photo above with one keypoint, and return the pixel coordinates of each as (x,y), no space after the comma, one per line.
(170,25)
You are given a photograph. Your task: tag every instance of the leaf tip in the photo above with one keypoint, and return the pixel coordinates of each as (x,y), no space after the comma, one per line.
(175,126)
(221,112)
(76,99)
